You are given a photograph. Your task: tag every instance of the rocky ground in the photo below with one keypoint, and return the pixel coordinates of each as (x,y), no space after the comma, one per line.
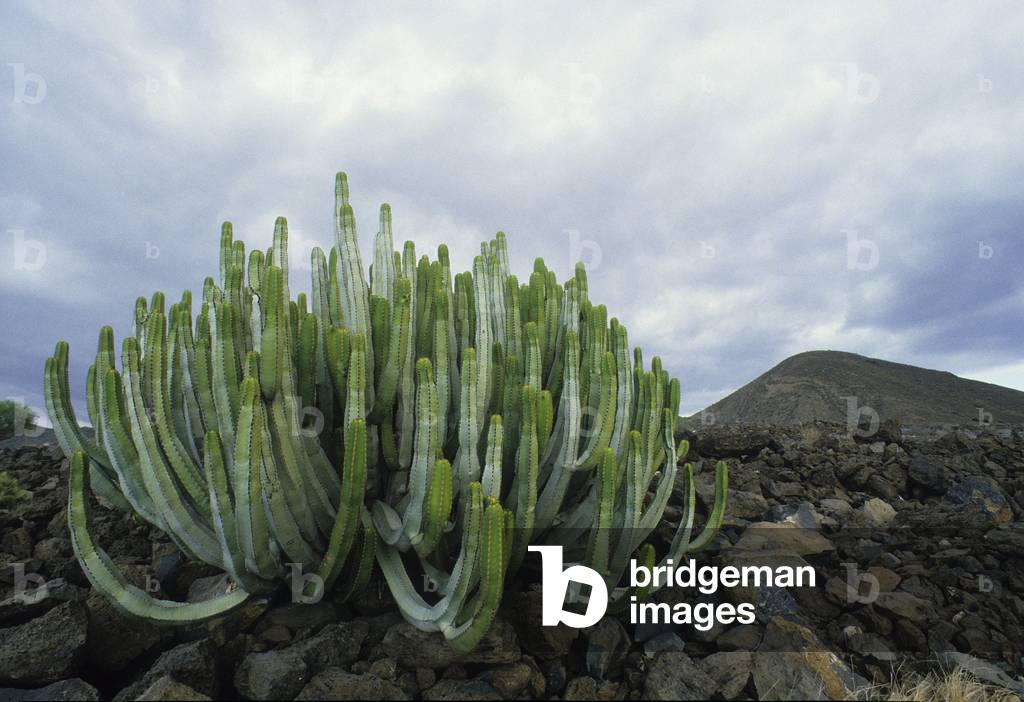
(917,544)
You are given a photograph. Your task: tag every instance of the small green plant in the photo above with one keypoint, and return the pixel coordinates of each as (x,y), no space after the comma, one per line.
(435,424)
(10,491)
(15,417)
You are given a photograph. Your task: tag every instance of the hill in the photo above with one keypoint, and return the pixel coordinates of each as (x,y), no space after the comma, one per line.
(818,385)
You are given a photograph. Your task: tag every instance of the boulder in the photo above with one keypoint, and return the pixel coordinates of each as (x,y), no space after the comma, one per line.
(878,512)
(792,664)
(673,676)
(273,675)
(904,605)
(52,550)
(735,442)
(607,646)
(836,506)
(18,543)
(167,688)
(802,515)
(413,648)
(461,690)
(730,670)
(193,664)
(556,677)
(744,637)
(34,600)
(887,580)
(298,617)
(666,641)
(871,646)
(981,496)
(890,430)
(46,649)
(335,684)
(512,679)
(928,473)
(336,645)
(587,688)
(785,537)
(283,673)
(745,505)
(63,691)
(542,642)
(768,600)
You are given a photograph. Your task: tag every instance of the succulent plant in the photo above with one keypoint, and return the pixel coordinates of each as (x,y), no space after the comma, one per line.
(434,424)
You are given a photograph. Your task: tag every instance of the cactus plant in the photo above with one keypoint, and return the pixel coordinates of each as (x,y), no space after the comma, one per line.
(437,424)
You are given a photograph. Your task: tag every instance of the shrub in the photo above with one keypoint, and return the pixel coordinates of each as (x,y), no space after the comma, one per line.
(434,424)
(15,417)
(10,491)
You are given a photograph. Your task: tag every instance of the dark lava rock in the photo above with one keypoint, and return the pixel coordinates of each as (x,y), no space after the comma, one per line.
(542,642)
(745,637)
(948,567)
(587,688)
(461,690)
(735,442)
(745,505)
(193,665)
(730,670)
(283,673)
(673,676)
(890,431)
(274,675)
(793,664)
(555,675)
(167,688)
(607,646)
(35,600)
(336,684)
(46,649)
(513,678)
(413,648)
(904,605)
(981,495)
(927,472)
(301,617)
(336,645)
(17,542)
(64,691)
(665,641)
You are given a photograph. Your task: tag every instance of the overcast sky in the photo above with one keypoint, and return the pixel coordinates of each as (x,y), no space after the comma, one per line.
(744,182)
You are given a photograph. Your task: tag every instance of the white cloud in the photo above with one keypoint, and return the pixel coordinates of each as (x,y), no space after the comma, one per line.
(37,262)
(716,155)
(1010,375)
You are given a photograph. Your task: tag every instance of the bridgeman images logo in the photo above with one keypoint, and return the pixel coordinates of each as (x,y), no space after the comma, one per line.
(558,582)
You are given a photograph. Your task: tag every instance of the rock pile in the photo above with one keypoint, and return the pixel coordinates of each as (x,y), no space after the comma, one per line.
(917,546)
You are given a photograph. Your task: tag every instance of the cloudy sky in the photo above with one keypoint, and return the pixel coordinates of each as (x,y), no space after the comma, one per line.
(744,183)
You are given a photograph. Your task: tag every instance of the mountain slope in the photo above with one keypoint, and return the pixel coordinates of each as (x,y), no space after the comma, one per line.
(814,386)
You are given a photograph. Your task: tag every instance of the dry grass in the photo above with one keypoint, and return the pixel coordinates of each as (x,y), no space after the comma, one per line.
(811,435)
(957,685)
